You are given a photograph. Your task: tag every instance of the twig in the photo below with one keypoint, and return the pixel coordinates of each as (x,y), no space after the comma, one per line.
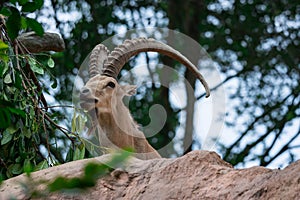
(58,106)
(47,139)
(37,84)
(62,129)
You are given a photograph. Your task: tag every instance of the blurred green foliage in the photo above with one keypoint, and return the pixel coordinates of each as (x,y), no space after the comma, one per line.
(92,171)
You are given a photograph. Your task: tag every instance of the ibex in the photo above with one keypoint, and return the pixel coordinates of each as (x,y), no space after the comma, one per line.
(102,95)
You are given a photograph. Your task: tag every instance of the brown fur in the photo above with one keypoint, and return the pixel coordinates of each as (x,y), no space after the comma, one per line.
(117,128)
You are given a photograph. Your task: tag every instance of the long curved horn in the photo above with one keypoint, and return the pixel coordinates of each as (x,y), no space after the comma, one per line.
(121,54)
(97,59)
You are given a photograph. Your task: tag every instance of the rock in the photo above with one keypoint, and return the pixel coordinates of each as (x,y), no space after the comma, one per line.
(197,175)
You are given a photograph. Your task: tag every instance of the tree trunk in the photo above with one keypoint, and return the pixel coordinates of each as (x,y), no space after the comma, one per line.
(188,22)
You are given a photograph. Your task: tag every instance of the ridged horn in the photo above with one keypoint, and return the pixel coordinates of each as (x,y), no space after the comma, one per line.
(97,59)
(121,54)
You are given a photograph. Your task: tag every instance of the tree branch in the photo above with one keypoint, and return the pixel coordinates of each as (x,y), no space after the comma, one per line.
(32,43)
(242,135)
(284,148)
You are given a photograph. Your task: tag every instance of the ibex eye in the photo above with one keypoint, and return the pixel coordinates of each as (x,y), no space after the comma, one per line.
(111,84)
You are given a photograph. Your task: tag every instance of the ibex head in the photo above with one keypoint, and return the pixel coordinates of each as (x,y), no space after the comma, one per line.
(100,92)
(104,69)
(103,94)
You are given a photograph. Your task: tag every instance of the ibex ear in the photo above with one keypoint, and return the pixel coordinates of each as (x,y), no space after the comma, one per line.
(129,90)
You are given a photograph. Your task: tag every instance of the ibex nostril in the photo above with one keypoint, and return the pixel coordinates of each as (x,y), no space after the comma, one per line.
(96,100)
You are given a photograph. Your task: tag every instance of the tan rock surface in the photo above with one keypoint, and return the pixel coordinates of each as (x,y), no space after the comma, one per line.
(197,175)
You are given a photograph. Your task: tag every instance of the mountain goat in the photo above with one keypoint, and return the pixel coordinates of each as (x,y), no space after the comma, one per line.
(102,95)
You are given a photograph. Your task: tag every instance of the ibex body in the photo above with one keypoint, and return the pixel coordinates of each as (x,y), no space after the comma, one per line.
(102,95)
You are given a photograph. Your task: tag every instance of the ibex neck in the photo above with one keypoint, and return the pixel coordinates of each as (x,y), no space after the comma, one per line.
(118,123)
(118,128)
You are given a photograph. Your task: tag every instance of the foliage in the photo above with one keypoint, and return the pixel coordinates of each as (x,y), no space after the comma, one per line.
(17,20)
(92,171)
(27,123)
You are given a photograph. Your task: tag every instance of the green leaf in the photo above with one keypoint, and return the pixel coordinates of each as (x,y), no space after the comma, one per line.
(14,1)
(3,68)
(18,81)
(13,23)
(35,26)
(26,132)
(3,45)
(61,183)
(79,154)
(5,11)
(17,111)
(58,184)
(4,115)
(76,154)
(4,57)
(81,121)
(23,23)
(7,137)
(22,2)
(18,159)
(7,79)
(34,66)
(41,165)
(39,3)
(30,7)
(16,169)
(50,63)
(120,158)
(12,129)
(73,124)
(27,167)
(8,173)
(3,53)
(94,170)
(82,152)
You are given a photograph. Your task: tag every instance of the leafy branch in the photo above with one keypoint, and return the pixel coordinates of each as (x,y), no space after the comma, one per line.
(27,122)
